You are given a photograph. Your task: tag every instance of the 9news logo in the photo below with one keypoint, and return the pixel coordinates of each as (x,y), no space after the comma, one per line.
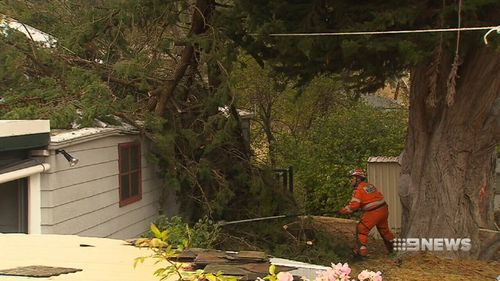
(432,244)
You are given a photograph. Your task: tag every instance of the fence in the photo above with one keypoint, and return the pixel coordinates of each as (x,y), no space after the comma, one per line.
(285,177)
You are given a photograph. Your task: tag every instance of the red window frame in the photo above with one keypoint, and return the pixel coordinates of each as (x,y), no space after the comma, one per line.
(128,171)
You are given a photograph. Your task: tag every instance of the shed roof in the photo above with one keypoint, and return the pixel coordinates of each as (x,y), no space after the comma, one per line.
(60,138)
(383,159)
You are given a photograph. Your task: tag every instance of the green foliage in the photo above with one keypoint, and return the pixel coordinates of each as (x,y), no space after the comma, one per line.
(63,117)
(335,144)
(321,129)
(178,231)
(218,180)
(203,234)
(281,107)
(372,58)
(272,276)
(293,238)
(163,251)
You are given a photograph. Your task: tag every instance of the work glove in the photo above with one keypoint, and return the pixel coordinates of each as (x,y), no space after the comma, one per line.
(343,212)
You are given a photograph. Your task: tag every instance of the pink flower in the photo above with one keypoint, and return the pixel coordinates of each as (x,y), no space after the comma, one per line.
(285,276)
(343,268)
(338,272)
(367,275)
(364,275)
(377,276)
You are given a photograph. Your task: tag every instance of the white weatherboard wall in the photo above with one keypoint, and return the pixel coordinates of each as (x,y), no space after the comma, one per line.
(84,199)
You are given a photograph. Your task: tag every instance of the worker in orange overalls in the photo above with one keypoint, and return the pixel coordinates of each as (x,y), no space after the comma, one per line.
(375,213)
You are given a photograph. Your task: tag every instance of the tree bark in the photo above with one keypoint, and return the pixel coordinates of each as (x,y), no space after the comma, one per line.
(201,14)
(447,175)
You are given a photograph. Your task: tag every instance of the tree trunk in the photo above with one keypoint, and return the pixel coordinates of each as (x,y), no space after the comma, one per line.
(201,14)
(448,166)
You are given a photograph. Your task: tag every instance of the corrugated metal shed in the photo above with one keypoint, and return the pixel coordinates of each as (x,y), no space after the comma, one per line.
(383,172)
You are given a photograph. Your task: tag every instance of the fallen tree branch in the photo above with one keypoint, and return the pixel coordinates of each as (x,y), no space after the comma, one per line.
(200,14)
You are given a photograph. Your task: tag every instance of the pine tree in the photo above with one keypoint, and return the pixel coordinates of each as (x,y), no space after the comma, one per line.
(162,62)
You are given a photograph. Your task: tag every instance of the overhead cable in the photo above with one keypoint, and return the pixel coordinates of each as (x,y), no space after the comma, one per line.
(490,28)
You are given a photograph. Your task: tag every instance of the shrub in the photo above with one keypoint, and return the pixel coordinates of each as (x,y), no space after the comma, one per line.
(203,234)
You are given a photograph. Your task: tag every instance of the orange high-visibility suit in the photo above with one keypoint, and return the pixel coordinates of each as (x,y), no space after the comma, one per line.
(375,213)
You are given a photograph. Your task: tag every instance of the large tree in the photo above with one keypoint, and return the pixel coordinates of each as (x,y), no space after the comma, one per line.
(163,62)
(447,184)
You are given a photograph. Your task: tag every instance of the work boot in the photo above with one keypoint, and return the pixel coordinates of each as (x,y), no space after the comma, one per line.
(358,256)
(389,245)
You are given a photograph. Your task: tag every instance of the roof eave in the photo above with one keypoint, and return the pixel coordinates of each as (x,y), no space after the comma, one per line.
(58,144)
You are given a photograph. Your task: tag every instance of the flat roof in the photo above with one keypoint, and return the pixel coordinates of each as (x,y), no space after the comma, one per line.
(11,128)
(98,258)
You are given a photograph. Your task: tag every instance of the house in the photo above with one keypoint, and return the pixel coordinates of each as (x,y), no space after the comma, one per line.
(93,182)
(88,182)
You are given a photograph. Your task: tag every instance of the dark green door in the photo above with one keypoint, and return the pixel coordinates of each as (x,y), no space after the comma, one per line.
(14,206)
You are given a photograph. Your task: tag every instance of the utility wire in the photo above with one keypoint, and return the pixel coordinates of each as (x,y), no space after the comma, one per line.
(490,28)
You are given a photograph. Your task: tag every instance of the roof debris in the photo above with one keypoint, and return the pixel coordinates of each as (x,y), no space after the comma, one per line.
(38,271)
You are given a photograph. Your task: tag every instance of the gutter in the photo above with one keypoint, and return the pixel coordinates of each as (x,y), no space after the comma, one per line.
(26,172)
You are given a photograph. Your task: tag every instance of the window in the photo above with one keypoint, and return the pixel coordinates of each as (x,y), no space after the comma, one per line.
(130,173)
(14,206)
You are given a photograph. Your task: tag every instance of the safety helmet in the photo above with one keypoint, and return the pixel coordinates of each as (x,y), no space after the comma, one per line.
(358,172)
